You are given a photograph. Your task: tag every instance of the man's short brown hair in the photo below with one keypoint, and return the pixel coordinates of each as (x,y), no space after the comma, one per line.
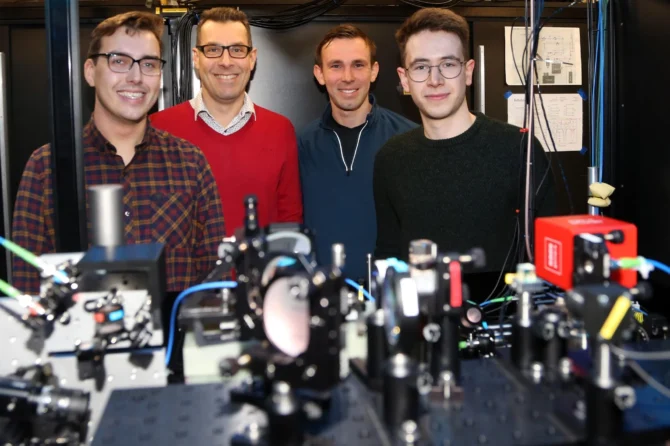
(345,32)
(433,19)
(133,21)
(223,15)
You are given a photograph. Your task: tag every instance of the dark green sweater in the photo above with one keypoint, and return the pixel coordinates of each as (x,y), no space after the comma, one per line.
(461,192)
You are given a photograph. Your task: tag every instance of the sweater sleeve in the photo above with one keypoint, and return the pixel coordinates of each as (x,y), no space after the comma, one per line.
(289,196)
(209,227)
(30,228)
(388,225)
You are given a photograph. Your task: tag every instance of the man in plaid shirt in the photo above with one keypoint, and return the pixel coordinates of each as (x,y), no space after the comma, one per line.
(170,195)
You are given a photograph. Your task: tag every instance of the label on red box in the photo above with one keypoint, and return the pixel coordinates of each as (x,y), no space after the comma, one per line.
(553,255)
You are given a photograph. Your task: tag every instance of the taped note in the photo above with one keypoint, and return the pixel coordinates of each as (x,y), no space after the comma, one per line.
(558,61)
(565,115)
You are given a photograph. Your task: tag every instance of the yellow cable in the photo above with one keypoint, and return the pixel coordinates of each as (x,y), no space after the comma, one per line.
(615,317)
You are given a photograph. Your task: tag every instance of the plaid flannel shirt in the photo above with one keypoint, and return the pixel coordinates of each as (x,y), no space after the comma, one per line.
(170,196)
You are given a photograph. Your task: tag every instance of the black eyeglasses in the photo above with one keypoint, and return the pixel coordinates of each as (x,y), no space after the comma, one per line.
(215,51)
(449,69)
(123,63)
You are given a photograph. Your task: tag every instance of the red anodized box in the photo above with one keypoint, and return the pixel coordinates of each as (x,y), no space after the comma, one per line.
(554,246)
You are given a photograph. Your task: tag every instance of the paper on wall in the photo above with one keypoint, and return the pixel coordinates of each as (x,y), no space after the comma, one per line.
(565,115)
(559,56)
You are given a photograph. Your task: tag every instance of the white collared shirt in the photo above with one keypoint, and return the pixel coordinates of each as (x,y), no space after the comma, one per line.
(236,124)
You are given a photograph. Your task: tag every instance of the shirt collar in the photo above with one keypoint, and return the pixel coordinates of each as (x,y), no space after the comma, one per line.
(199,107)
(328,112)
(93,138)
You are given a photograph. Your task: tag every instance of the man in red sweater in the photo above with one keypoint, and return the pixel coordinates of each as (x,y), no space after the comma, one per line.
(251,150)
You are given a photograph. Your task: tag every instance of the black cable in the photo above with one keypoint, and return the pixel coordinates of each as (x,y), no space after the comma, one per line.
(549,152)
(553,143)
(502,270)
(425,4)
(295,16)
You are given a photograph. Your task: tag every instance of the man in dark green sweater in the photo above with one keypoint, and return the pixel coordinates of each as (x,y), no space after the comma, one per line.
(456,179)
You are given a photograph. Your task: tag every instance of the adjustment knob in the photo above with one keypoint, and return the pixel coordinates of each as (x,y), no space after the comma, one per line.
(615,236)
(478,257)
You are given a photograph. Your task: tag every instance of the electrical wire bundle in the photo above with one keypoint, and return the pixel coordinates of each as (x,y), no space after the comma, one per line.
(447,3)
(295,16)
(182,70)
(529,70)
(597,63)
(522,233)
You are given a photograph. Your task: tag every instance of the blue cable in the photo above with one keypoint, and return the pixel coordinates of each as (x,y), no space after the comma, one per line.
(601,99)
(658,265)
(594,96)
(640,311)
(58,275)
(177,302)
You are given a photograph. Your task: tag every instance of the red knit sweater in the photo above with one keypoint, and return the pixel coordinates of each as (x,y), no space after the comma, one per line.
(261,159)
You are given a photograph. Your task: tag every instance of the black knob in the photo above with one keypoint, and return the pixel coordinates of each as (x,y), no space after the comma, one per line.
(478,257)
(228,367)
(615,236)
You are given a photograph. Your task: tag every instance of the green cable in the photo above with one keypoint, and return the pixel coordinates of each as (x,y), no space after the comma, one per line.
(23,299)
(9,290)
(34,260)
(23,253)
(631,262)
(499,299)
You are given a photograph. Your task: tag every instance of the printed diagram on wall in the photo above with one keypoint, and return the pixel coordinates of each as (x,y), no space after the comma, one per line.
(565,115)
(559,56)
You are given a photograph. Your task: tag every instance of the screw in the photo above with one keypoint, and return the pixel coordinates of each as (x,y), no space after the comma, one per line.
(409,431)
(624,397)
(447,380)
(254,432)
(578,298)
(565,365)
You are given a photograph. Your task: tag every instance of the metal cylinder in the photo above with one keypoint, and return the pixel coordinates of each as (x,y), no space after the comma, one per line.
(448,355)
(338,255)
(602,365)
(604,420)
(4,164)
(524,309)
(106,210)
(593,178)
(251,216)
(551,344)
(370,274)
(28,398)
(480,81)
(284,419)
(401,393)
(377,348)
(522,346)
